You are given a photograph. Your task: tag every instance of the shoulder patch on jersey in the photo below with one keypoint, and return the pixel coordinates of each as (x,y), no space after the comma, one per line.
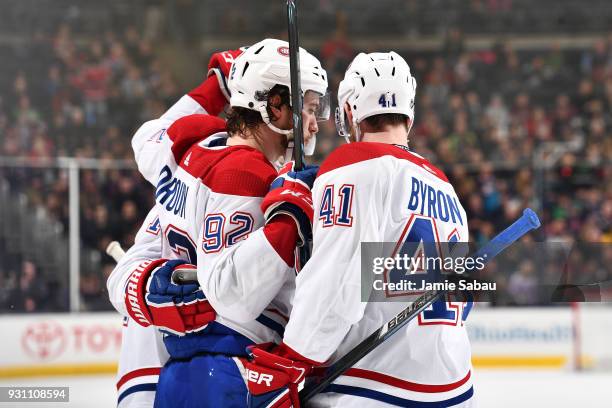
(352,153)
(191,129)
(235,170)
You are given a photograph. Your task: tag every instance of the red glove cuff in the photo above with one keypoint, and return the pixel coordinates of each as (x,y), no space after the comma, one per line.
(295,370)
(135,292)
(296,195)
(285,351)
(223,61)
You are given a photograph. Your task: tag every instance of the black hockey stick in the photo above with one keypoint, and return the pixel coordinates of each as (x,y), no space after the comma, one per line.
(296,103)
(296,88)
(528,221)
(180,276)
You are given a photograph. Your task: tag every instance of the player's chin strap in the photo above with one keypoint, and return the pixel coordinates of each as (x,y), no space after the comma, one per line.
(309,146)
(288,152)
(287,132)
(341,127)
(309,149)
(409,128)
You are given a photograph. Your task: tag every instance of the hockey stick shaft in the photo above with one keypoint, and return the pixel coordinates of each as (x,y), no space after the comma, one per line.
(520,227)
(296,88)
(180,276)
(296,103)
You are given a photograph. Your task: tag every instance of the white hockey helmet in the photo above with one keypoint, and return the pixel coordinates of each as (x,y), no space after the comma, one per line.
(266,64)
(374,84)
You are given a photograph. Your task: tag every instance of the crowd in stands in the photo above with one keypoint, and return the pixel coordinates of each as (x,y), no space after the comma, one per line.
(489,118)
(400,18)
(84,99)
(493,119)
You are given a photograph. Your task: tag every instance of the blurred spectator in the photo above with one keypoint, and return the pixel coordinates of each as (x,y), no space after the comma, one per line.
(30,292)
(523,285)
(453,45)
(498,115)
(93,292)
(337,52)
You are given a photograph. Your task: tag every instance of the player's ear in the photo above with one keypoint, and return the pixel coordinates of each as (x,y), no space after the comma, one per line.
(349,118)
(348,112)
(274,102)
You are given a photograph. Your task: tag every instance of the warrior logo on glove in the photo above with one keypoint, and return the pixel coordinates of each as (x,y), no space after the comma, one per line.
(153,300)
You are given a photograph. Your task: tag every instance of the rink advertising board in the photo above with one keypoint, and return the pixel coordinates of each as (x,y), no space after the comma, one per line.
(547,337)
(47,344)
(521,337)
(89,343)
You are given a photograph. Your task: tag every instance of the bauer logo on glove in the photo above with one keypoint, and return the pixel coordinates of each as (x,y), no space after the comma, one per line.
(273,380)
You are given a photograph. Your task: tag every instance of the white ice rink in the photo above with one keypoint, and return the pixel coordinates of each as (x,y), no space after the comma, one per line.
(495,389)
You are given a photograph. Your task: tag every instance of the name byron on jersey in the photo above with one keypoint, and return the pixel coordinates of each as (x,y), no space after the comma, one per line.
(432,202)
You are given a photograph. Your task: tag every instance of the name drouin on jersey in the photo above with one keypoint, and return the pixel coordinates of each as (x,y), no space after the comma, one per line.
(171,192)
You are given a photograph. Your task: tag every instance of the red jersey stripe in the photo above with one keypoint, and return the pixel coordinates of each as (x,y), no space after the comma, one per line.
(406,385)
(352,153)
(141,372)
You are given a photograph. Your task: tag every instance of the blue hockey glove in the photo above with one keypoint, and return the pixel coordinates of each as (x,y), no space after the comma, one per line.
(153,300)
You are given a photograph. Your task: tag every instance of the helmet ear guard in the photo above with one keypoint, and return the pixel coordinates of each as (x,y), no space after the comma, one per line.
(343,127)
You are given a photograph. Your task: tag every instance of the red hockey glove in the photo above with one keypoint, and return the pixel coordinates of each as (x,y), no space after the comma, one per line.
(290,194)
(223,61)
(213,94)
(273,381)
(152,299)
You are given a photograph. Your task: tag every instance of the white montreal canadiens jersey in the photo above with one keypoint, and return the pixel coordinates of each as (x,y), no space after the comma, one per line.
(142,350)
(207,212)
(373,192)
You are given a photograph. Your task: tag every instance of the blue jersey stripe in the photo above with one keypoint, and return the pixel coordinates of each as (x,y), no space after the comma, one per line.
(400,402)
(271,324)
(137,388)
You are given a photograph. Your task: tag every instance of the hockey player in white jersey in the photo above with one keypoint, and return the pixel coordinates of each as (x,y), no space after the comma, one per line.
(143,353)
(371,190)
(209,191)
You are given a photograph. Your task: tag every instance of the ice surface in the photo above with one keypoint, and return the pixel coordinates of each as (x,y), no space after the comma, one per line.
(494,389)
